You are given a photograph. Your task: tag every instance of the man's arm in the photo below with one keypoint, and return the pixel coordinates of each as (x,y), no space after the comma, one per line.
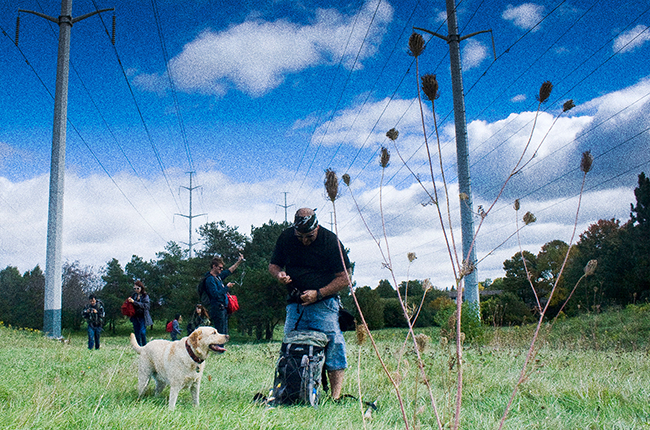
(279,274)
(237,263)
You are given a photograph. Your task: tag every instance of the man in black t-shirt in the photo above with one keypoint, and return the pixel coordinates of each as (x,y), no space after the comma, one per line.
(312,263)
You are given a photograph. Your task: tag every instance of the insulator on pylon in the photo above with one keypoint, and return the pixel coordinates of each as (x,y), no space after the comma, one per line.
(113,36)
(17,29)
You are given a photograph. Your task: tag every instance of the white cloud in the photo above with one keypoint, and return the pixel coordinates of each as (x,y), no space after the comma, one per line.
(632,39)
(256,56)
(524,16)
(519,98)
(474,52)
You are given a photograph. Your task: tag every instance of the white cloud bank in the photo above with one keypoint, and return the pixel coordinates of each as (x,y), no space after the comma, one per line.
(256,56)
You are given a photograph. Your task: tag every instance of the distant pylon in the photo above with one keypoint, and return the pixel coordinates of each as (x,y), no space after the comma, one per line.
(285,205)
(190,216)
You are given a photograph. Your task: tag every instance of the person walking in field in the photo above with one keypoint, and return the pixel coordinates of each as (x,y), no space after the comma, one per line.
(94,314)
(308,261)
(199,318)
(142,318)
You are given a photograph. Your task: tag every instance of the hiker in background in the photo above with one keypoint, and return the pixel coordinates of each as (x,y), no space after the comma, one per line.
(216,291)
(176,328)
(315,273)
(93,312)
(142,317)
(199,318)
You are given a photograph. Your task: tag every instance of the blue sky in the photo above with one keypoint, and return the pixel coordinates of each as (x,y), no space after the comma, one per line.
(260,99)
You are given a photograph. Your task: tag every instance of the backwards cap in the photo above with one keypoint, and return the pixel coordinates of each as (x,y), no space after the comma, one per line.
(305,224)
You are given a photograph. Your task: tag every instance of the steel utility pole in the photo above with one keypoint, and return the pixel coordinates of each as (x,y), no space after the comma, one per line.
(52,302)
(190,216)
(285,205)
(462,153)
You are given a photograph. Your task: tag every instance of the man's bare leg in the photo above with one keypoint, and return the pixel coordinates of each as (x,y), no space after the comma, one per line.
(336,382)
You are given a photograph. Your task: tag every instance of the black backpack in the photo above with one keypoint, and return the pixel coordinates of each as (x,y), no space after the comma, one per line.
(299,369)
(204,298)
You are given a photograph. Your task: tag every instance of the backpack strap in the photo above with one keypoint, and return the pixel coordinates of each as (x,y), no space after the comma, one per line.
(298,309)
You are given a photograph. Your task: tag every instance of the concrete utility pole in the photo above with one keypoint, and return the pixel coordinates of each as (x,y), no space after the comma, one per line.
(285,206)
(190,216)
(52,305)
(462,153)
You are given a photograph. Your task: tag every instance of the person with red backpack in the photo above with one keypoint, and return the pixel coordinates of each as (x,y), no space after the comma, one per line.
(173,327)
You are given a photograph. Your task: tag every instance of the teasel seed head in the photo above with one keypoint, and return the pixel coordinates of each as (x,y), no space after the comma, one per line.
(426,285)
(463,196)
(361,334)
(416,44)
(443,341)
(545,91)
(385,157)
(587,160)
(331,184)
(568,105)
(430,87)
(590,268)
(411,256)
(517,205)
(346,179)
(467,268)
(422,340)
(529,218)
(392,134)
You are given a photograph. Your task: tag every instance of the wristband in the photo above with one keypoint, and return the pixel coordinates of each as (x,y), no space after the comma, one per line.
(319,296)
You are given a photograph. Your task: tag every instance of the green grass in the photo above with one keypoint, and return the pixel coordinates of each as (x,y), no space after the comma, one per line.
(45,384)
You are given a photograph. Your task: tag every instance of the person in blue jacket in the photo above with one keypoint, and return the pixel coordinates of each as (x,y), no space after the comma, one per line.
(217,291)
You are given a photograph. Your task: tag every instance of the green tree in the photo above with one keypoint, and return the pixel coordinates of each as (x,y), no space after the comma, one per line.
(12,297)
(262,298)
(638,241)
(34,300)
(78,282)
(386,290)
(372,307)
(221,239)
(117,287)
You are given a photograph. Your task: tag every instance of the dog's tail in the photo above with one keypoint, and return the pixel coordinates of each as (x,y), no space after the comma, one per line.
(134,344)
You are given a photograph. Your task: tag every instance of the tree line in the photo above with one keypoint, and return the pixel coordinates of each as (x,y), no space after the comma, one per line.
(622,252)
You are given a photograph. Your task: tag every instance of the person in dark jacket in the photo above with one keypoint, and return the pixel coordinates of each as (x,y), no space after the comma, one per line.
(217,291)
(142,318)
(94,314)
(199,318)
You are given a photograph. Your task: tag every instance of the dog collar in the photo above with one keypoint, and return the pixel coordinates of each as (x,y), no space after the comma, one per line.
(192,354)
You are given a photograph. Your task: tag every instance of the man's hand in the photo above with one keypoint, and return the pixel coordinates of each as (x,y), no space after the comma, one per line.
(284,278)
(308,297)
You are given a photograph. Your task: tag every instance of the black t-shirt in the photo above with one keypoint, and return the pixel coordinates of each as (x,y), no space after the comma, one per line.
(313,266)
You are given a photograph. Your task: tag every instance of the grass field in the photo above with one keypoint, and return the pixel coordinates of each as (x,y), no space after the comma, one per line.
(576,382)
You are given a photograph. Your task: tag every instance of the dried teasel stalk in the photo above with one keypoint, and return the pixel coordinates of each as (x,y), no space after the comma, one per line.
(590,268)
(392,134)
(430,87)
(529,218)
(587,160)
(545,91)
(385,157)
(568,105)
(331,184)
(421,340)
(517,205)
(416,44)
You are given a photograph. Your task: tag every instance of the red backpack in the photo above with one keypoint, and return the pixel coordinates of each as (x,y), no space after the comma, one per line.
(169,326)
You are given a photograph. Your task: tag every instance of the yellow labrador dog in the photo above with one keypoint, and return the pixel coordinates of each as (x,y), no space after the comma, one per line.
(178,364)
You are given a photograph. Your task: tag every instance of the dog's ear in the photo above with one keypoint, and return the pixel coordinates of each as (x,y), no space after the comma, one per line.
(195,337)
